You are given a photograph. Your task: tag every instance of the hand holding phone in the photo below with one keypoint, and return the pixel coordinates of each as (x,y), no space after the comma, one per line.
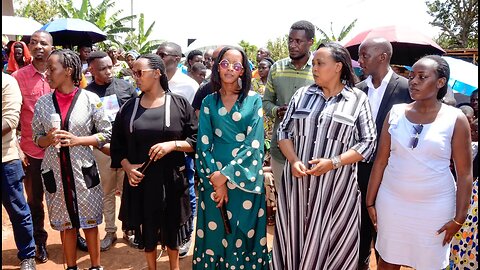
(145,165)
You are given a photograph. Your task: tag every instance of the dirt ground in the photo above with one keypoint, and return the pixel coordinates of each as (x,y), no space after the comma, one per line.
(119,257)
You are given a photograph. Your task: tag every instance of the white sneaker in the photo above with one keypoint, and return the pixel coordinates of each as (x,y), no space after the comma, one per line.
(183,249)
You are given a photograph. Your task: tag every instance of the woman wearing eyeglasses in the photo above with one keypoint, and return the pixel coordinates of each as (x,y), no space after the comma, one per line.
(231,220)
(151,135)
(412,198)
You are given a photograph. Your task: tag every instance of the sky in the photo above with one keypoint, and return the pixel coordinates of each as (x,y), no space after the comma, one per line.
(214,22)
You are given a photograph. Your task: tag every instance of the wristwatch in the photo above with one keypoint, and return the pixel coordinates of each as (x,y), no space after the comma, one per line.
(336,162)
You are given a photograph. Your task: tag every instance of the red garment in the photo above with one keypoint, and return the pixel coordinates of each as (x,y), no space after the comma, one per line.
(12,63)
(32,85)
(64,101)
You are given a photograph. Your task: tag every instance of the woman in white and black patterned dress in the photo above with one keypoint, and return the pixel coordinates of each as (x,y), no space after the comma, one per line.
(70,176)
(327,128)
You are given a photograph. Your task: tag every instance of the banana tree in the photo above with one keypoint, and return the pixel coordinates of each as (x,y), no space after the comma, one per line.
(343,33)
(113,26)
(139,41)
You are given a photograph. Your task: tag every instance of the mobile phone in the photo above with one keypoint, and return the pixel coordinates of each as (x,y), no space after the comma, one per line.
(145,166)
(226,221)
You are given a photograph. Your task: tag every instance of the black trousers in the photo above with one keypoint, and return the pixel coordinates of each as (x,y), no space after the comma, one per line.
(34,188)
(367,231)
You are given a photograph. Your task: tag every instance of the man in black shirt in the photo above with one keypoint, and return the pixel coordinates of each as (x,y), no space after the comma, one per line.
(206,88)
(114,93)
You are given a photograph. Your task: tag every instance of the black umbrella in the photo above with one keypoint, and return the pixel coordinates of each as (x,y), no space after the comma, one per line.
(70,32)
(408,45)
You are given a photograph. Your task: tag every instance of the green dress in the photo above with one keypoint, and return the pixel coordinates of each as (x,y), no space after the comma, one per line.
(232,143)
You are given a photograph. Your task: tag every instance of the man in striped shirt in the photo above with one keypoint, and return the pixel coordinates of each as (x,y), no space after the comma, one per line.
(285,78)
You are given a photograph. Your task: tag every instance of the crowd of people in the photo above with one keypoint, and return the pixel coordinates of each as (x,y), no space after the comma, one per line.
(215,150)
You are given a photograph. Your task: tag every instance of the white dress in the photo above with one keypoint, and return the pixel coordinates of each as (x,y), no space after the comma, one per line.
(417,194)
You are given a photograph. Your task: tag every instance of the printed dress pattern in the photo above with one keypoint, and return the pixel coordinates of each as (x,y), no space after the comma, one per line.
(231,142)
(87,114)
(464,246)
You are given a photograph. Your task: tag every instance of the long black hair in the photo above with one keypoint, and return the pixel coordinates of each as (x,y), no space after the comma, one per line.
(70,59)
(246,78)
(443,71)
(156,62)
(341,55)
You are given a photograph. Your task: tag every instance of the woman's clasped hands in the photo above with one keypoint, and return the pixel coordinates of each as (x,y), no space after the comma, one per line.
(319,166)
(219,183)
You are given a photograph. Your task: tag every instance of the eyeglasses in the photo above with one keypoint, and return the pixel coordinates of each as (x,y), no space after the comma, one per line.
(139,73)
(164,54)
(236,66)
(417,130)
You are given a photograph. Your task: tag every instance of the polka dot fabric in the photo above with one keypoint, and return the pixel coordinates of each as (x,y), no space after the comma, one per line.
(232,143)
(464,246)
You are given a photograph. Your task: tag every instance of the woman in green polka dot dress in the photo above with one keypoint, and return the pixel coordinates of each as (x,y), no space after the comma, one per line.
(229,162)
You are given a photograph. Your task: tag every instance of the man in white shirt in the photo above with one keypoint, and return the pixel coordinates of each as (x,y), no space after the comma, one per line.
(384,89)
(178,82)
(181,84)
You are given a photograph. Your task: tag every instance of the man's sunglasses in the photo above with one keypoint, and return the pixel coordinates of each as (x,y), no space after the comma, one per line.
(417,130)
(164,54)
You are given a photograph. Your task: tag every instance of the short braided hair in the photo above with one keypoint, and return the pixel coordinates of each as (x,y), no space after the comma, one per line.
(70,59)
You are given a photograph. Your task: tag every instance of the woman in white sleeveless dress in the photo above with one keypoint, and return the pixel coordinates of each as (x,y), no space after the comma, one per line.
(412,198)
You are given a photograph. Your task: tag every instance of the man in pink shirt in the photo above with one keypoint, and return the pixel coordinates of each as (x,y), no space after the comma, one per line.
(33,85)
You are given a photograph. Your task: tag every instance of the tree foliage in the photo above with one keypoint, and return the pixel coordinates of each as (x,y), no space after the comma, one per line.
(250,50)
(458,21)
(343,33)
(139,40)
(278,48)
(43,11)
(99,15)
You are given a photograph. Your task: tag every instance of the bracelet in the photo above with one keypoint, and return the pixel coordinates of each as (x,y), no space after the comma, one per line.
(336,162)
(177,147)
(456,222)
(372,205)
